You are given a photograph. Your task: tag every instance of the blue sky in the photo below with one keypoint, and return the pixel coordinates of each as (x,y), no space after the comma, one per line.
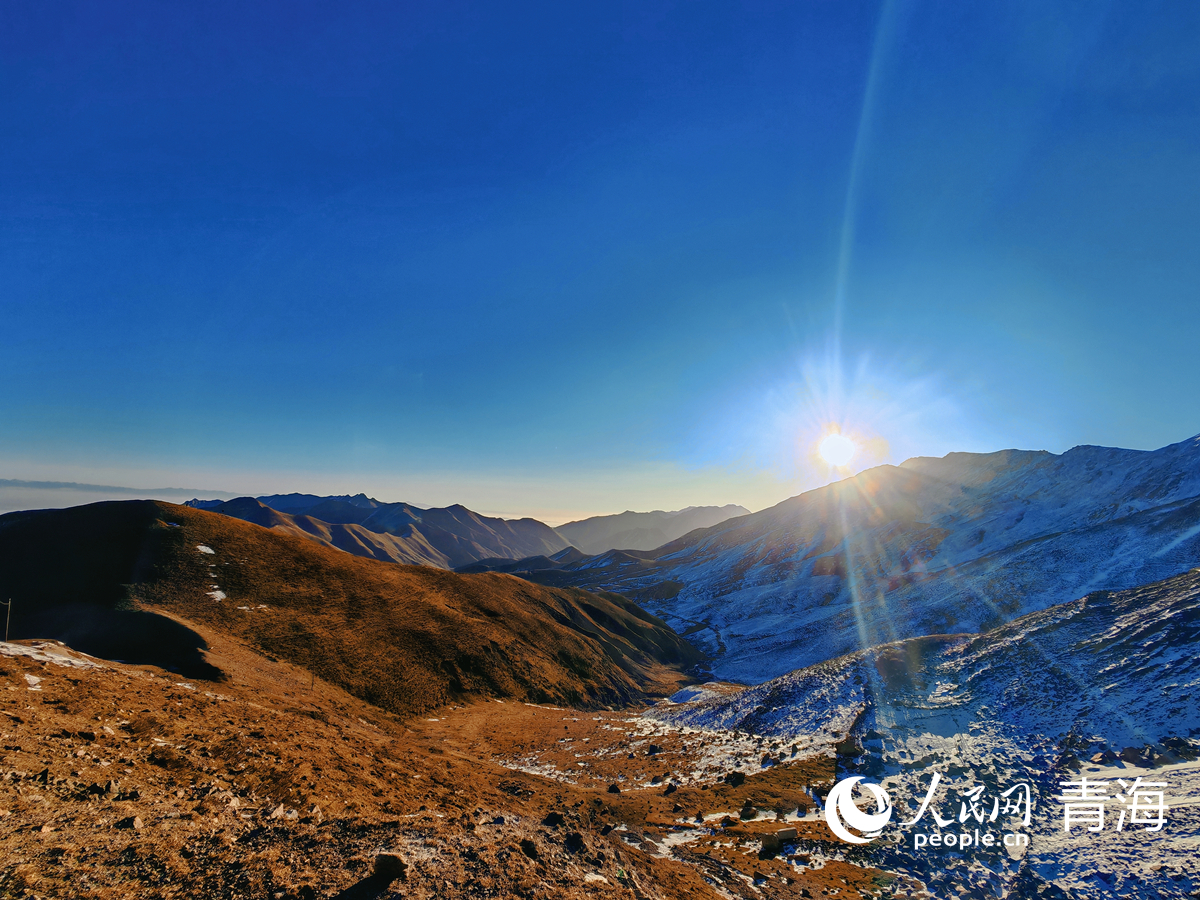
(565,259)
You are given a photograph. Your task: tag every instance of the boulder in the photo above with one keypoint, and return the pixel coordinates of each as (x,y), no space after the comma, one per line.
(390,866)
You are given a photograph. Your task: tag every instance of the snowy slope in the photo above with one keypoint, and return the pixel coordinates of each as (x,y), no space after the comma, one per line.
(958,544)
(1035,700)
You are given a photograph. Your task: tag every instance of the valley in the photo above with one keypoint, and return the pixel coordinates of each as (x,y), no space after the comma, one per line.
(194,701)
(121,781)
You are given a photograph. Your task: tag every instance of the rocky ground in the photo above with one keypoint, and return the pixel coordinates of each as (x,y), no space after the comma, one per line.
(120,781)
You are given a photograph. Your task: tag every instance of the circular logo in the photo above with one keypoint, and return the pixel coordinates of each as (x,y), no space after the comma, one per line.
(840,811)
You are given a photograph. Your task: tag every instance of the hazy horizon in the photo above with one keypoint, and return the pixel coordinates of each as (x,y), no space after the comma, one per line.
(19,494)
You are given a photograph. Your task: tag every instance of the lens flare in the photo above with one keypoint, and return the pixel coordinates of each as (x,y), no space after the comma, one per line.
(837,450)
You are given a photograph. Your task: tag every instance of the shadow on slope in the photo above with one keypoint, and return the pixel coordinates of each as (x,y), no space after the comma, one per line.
(70,575)
(405,638)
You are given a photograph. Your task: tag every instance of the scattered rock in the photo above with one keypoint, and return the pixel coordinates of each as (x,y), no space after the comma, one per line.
(848,746)
(134,822)
(1181,747)
(390,866)
(553,820)
(614,789)
(770,847)
(574,842)
(735,779)
(606,829)
(529,848)
(1069,761)
(669,791)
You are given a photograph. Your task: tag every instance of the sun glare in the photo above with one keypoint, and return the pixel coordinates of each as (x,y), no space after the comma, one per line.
(837,450)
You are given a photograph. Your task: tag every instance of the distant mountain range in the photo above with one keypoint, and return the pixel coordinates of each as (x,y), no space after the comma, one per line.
(396,532)
(455,536)
(957,544)
(643,531)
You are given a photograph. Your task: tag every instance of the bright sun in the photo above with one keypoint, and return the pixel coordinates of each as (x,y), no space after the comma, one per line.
(837,450)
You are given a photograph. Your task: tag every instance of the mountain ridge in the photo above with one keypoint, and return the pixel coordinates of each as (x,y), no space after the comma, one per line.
(453,537)
(405,638)
(643,530)
(959,543)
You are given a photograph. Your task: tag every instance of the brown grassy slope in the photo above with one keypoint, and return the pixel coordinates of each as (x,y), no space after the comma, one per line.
(264,788)
(407,639)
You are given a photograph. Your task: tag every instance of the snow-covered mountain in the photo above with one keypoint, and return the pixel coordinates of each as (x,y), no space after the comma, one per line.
(1104,687)
(957,544)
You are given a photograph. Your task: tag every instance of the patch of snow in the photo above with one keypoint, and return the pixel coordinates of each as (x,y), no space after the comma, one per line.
(696,692)
(51,652)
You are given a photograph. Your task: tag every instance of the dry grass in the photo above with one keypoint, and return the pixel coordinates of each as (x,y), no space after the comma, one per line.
(404,638)
(261,799)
